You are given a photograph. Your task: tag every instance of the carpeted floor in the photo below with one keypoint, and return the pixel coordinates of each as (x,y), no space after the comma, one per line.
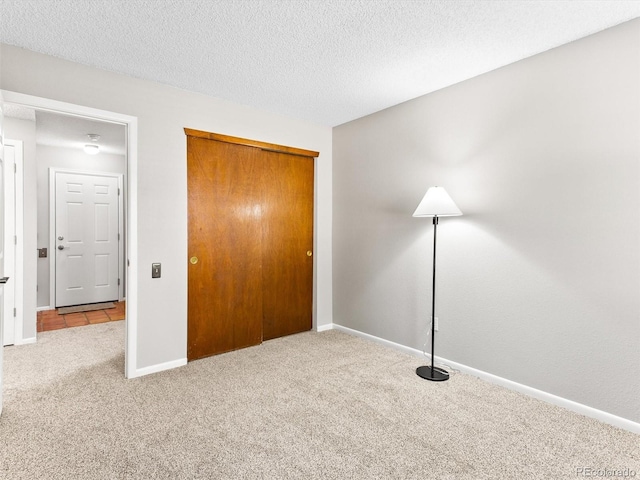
(310,406)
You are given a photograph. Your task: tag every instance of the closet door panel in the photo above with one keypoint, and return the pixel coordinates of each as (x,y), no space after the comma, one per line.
(225,251)
(287,244)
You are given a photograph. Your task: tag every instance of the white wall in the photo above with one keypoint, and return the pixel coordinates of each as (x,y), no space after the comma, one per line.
(25,130)
(162,114)
(539,282)
(68,158)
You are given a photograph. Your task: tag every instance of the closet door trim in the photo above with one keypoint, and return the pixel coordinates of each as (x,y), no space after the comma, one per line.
(270,147)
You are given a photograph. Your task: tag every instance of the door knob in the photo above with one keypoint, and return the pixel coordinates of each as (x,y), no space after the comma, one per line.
(193,260)
(60,247)
(60,237)
(309,253)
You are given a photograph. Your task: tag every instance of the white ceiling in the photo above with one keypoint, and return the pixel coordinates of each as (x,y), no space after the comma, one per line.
(326,61)
(70,131)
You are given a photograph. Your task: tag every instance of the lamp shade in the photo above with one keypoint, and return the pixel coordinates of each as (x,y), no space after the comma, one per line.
(437,203)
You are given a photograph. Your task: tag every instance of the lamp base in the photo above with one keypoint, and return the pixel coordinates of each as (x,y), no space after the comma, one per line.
(435,374)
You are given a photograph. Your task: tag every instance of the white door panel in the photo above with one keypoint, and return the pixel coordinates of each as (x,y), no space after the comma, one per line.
(8,249)
(86,233)
(2,200)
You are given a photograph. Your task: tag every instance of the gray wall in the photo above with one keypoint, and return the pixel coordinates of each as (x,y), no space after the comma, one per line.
(72,159)
(539,281)
(163,112)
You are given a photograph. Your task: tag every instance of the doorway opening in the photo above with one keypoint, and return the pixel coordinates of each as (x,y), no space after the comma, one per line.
(84,118)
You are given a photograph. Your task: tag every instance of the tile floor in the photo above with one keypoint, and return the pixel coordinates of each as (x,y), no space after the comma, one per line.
(51,320)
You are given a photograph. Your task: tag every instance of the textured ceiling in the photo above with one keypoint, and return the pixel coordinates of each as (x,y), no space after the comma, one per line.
(326,61)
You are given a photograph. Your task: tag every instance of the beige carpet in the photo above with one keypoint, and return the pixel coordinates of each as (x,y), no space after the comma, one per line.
(309,406)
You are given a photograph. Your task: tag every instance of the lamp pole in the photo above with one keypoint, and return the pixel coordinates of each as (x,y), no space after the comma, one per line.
(436,203)
(433,297)
(433,373)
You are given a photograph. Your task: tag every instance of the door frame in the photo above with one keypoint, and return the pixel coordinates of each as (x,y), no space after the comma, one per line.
(16,246)
(52,224)
(131,125)
(1,240)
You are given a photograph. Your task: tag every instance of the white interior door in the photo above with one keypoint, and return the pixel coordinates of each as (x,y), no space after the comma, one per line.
(8,245)
(86,238)
(1,244)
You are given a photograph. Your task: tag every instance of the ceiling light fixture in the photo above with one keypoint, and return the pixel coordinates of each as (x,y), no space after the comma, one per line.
(92,148)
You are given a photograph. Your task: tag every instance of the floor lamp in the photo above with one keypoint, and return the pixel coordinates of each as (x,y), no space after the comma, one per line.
(435,203)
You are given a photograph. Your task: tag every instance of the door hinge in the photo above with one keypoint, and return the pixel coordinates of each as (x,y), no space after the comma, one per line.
(15,168)
(15,239)
(15,312)
(118,282)
(118,191)
(118,237)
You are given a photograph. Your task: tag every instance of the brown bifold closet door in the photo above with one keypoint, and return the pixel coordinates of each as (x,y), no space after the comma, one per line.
(250,227)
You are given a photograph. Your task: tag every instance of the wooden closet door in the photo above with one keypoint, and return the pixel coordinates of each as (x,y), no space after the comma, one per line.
(225,264)
(250,242)
(287,245)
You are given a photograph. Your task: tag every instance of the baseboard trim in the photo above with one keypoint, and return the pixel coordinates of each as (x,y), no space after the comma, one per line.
(576,407)
(141,372)
(26,341)
(324,328)
(43,309)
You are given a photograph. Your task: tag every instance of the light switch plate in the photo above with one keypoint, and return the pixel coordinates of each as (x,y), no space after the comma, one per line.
(155,270)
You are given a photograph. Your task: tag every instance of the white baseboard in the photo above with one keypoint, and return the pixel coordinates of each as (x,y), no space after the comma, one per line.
(324,328)
(141,372)
(26,341)
(585,410)
(42,309)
